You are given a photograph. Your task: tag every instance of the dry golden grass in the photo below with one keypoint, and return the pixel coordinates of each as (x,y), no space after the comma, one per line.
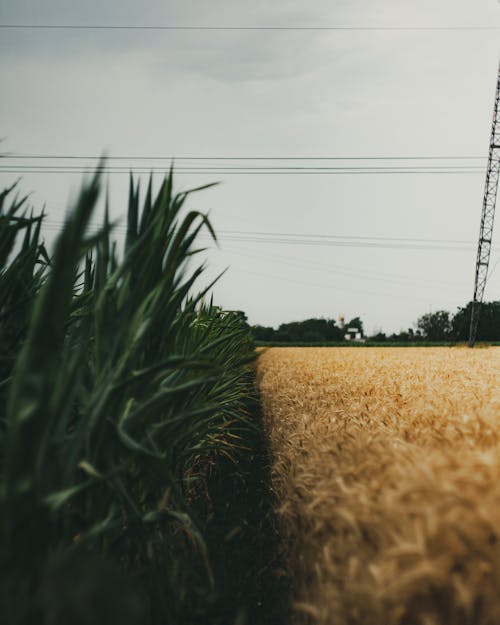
(386,465)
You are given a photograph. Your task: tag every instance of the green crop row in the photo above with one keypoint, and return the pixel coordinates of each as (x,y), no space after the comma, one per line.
(119,388)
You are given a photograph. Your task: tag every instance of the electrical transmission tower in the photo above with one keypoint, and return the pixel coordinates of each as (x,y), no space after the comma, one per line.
(487,217)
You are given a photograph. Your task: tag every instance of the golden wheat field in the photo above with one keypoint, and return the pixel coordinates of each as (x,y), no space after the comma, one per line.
(386,469)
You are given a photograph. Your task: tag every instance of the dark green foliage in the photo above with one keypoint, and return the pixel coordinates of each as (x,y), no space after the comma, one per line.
(435,326)
(309,331)
(124,393)
(404,336)
(489,322)
(263,333)
(379,337)
(442,326)
(438,327)
(248,564)
(356,322)
(23,261)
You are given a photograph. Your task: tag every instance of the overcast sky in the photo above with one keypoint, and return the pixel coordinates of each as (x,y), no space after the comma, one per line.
(307,93)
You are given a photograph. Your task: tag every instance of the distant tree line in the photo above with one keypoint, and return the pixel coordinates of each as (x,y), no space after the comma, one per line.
(442,326)
(308,331)
(438,326)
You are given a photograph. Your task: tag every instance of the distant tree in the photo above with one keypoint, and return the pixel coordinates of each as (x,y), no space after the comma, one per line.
(311,331)
(410,336)
(489,322)
(315,330)
(380,337)
(242,315)
(239,314)
(435,326)
(263,333)
(403,336)
(281,336)
(356,323)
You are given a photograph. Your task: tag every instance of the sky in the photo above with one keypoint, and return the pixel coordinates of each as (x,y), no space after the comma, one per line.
(387,245)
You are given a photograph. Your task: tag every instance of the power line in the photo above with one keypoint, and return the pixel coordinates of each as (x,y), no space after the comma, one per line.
(344,237)
(300,236)
(336,243)
(292,168)
(239,158)
(149,27)
(226,171)
(326,287)
(316,241)
(239,165)
(339,269)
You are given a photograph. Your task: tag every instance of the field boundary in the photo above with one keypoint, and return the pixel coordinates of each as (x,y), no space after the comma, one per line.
(374,344)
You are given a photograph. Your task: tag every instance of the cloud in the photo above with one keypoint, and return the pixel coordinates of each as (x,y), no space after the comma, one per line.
(222,55)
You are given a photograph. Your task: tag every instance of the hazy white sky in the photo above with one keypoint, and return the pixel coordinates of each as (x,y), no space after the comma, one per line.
(349,93)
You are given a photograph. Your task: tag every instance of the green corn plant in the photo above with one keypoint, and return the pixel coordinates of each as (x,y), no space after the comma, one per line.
(23,263)
(125,391)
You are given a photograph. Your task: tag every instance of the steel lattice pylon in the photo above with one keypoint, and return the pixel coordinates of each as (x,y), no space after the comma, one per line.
(487,217)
